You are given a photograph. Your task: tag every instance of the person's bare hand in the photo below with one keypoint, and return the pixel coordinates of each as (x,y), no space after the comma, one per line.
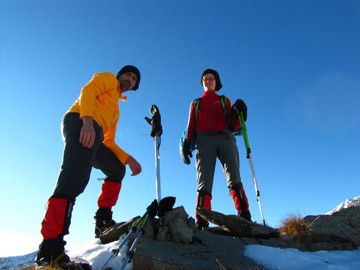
(135,166)
(87,132)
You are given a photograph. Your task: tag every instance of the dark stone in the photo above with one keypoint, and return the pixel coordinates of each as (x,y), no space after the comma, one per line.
(236,225)
(338,231)
(179,246)
(214,252)
(114,232)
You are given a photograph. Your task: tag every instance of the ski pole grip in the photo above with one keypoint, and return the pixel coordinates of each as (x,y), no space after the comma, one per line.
(248,152)
(155,121)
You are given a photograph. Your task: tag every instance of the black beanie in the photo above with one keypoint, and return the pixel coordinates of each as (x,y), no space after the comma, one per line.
(132,69)
(216,75)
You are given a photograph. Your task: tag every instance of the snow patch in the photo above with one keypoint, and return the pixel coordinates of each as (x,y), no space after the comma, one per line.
(293,259)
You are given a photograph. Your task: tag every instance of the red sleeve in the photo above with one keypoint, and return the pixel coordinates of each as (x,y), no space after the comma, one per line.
(191,123)
(233,122)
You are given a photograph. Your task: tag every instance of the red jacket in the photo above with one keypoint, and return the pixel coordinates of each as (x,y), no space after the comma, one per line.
(211,115)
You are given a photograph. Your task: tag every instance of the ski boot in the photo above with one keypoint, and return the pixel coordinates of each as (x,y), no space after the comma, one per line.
(62,262)
(51,256)
(103,220)
(203,201)
(201,223)
(245,214)
(240,201)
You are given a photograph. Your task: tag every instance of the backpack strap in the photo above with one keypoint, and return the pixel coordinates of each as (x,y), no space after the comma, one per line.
(223,104)
(197,108)
(196,103)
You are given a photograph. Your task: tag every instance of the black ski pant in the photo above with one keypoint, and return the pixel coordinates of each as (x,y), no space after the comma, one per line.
(75,173)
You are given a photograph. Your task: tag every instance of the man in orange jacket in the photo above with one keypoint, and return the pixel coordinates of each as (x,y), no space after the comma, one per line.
(88,129)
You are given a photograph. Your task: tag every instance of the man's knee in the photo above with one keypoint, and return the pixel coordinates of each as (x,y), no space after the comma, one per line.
(204,192)
(235,186)
(109,164)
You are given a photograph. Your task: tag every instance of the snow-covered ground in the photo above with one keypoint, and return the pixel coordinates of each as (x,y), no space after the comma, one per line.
(98,254)
(293,259)
(93,252)
(272,258)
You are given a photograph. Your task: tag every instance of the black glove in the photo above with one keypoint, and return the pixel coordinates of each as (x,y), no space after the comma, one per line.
(185,151)
(155,121)
(239,107)
(152,209)
(166,204)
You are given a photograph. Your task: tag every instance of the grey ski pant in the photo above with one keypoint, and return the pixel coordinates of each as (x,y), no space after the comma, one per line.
(209,146)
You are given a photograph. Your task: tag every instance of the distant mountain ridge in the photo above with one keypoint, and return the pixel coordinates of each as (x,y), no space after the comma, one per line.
(17,262)
(346,204)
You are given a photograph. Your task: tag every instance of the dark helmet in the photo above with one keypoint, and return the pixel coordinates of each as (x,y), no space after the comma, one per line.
(132,69)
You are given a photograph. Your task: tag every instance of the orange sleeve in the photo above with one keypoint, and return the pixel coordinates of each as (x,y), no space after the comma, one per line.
(109,141)
(100,83)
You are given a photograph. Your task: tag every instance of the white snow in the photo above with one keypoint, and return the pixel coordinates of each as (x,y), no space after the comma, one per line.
(293,259)
(272,258)
(97,254)
(93,252)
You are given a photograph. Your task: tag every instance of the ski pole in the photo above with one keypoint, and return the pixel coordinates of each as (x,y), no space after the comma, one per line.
(165,205)
(116,251)
(156,131)
(157,168)
(151,211)
(131,251)
(248,156)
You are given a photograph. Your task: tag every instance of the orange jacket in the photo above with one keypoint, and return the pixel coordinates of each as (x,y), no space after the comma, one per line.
(99,99)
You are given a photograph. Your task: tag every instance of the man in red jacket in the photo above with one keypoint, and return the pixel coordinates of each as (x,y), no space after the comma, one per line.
(88,129)
(210,119)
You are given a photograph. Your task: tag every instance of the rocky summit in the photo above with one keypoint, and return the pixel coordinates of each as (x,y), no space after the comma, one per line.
(173,242)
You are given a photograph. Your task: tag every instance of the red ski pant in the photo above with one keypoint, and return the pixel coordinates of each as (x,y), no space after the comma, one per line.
(74,176)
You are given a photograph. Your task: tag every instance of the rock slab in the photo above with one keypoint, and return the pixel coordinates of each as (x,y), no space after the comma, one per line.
(210,252)
(237,226)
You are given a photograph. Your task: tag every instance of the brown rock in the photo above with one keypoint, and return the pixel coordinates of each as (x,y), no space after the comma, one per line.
(180,232)
(338,231)
(236,225)
(113,233)
(176,213)
(215,252)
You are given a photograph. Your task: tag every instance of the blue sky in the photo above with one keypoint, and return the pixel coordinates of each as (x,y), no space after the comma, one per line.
(295,63)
